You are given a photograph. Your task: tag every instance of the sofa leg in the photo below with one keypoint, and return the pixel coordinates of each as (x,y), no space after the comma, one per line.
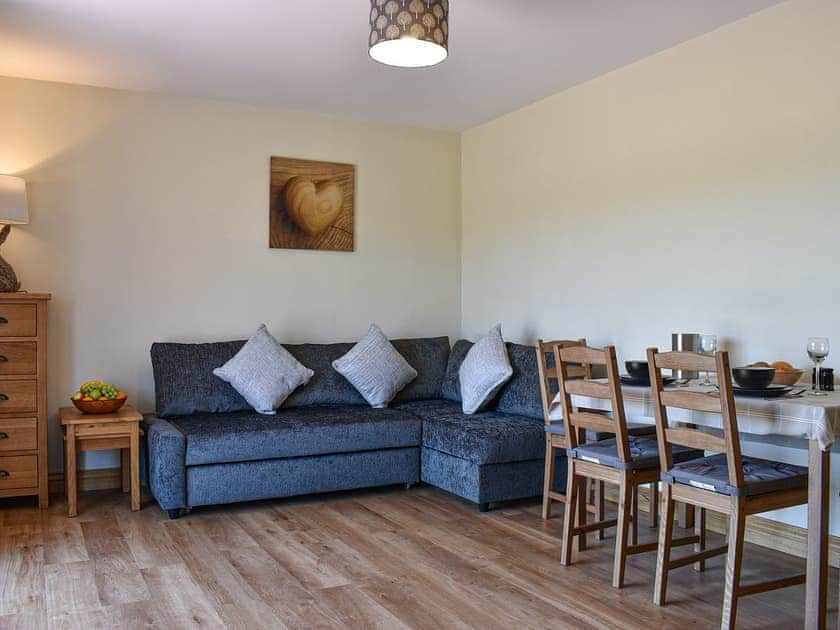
(408,485)
(483,507)
(173,514)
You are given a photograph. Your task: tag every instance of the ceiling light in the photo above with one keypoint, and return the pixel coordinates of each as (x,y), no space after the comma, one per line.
(409,33)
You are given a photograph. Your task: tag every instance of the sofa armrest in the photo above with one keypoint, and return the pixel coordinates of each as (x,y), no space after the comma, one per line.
(167,451)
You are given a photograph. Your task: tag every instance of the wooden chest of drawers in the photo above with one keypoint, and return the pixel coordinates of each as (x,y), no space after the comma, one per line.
(23,395)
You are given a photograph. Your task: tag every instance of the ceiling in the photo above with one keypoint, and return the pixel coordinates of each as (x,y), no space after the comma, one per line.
(312,54)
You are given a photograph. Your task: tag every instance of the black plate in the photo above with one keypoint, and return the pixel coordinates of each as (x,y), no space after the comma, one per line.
(771,391)
(644,382)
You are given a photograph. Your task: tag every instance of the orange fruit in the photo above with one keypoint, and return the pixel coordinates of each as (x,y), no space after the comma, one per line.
(87,398)
(782,366)
(122,395)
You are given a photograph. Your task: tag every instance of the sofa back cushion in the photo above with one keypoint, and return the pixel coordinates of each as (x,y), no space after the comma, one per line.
(184,379)
(326,387)
(521,394)
(185,384)
(451,389)
(429,356)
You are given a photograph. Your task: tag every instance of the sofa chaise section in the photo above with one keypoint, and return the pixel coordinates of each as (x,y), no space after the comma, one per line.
(494,455)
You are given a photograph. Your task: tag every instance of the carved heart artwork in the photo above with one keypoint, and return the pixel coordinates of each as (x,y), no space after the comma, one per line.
(313,207)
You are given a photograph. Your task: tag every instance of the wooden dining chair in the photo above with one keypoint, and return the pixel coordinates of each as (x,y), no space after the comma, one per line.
(625,460)
(555,432)
(725,482)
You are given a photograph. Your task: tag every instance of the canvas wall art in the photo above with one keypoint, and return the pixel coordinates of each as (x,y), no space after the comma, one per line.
(312,205)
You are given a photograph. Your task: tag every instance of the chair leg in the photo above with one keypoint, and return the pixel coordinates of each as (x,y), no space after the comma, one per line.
(570,516)
(663,554)
(626,494)
(653,504)
(634,535)
(599,507)
(548,484)
(700,531)
(737,522)
(582,500)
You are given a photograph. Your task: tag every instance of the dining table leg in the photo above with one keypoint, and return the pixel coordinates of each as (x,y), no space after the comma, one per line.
(816,585)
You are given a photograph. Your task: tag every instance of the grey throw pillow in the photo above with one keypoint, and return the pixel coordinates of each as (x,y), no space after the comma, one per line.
(375,368)
(264,372)
(485,369)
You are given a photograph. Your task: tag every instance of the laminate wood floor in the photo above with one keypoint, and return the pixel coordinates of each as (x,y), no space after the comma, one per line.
(387,558)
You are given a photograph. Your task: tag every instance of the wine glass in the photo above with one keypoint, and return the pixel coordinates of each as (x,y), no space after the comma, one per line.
(708,345)
(818,348)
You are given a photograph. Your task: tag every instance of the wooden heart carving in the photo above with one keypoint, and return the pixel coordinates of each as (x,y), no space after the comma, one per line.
(313,207)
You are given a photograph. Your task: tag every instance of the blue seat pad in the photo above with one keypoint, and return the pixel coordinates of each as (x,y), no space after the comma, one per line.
(246,435)
(488,437)
(558,427)
(644,452)
(760,475)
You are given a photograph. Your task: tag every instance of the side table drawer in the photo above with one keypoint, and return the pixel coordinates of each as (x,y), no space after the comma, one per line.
(18,396)
(18,320)
(18,434)
(18,358)
(18,472)
(103,429)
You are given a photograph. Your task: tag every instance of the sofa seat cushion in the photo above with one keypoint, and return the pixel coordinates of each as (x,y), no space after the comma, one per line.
(483,438)
(760,475)
(247,436)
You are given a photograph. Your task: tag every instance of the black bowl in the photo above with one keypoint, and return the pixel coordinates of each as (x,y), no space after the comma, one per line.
(753,377)
(638,369)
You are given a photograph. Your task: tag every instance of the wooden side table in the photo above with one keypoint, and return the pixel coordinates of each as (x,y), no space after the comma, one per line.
(101,432)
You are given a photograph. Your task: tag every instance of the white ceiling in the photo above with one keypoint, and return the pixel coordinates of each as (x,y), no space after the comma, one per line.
(312,54)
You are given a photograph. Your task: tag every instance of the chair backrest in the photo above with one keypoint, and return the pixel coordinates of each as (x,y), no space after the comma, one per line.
(722,402)
(547,366)
(577,420)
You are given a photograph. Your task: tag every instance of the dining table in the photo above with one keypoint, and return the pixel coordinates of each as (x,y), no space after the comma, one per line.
(800,415)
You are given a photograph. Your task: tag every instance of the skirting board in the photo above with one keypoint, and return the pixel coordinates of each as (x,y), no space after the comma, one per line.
(760,531)
(97,479)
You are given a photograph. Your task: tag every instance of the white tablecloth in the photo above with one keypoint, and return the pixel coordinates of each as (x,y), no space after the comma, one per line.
(810,417)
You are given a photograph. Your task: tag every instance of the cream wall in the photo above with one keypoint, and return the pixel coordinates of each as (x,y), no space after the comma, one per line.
(150,222)
(696,190)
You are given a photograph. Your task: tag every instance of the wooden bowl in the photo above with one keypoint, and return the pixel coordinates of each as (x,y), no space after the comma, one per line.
(103,405)
(787,378)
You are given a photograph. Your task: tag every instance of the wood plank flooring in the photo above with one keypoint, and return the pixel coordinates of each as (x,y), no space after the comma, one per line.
(386,558)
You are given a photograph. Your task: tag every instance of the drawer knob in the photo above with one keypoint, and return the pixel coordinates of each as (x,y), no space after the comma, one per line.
(4,436)
(4,358)
(4,397)
(4,473)
(3,320)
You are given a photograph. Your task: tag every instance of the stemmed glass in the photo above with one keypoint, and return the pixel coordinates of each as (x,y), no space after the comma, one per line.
(708,345)
(818,348)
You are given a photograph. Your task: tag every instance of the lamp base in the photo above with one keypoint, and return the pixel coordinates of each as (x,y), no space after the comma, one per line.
(8,278)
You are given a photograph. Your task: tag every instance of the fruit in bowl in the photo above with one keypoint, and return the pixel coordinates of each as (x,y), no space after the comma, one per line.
(786,374)
(98,397)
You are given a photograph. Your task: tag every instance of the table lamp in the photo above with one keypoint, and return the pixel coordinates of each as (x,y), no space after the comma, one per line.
(13,210)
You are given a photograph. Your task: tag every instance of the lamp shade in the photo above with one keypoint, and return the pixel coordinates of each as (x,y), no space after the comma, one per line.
(13,207)
(409,33)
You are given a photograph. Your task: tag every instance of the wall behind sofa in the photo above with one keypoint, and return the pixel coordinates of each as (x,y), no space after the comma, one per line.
(149,221)
(696,190)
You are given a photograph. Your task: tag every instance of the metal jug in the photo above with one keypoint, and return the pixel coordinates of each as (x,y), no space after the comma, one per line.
(685,342)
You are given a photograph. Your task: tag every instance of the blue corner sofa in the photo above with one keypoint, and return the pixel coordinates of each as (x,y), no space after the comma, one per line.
(206,446)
